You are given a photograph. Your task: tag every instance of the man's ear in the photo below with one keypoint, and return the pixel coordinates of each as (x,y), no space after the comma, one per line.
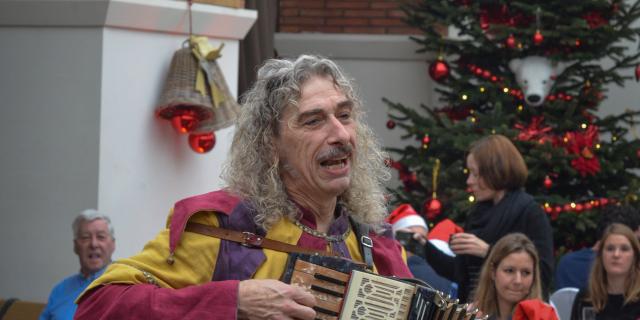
(75,247)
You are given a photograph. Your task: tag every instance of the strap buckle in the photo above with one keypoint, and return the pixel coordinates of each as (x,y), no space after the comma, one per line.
(366,241)
(251,239)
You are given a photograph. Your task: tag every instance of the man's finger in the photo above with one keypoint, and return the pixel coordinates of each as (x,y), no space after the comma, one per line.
(303,297)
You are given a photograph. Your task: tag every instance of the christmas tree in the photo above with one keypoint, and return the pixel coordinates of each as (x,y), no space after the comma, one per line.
(536,72)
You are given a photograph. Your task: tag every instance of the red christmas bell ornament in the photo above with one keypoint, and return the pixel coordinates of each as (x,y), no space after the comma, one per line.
(432,208)
(391,124)
(511,42)
(547,182)
(439,70)
(184,121)
(638,73)
(202,142)
(538,38)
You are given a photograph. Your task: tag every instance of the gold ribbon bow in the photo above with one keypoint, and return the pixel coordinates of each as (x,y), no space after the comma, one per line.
(205,52)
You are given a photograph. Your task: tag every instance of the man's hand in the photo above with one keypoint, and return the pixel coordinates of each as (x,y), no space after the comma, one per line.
(467,243)
(273,299)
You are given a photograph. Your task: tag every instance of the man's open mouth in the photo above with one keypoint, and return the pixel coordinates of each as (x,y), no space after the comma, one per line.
(334,163)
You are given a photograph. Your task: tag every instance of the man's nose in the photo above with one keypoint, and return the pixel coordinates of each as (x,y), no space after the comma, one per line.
(94,242)
(339,133)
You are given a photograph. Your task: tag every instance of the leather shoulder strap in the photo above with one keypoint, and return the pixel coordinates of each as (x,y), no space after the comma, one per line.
(366,244)
(249,239)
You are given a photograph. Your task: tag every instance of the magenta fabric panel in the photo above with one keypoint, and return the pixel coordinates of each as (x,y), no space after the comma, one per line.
(213,300)
(387,257)
(220,201)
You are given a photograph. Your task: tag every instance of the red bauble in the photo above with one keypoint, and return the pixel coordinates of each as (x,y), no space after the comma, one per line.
(426,139)
(638,73)
(438,70)
(538,38)
(432,208)
(202,142)
(547,182)
(511,42)
(391,124)
(184,121)
(484,20)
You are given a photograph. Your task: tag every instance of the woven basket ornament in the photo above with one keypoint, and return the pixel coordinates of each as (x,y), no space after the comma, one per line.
(196,97)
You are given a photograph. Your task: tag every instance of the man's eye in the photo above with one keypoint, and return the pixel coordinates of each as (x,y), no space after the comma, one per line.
(345,116)
(312,122)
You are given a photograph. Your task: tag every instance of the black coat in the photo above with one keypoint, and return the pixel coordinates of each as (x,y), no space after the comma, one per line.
(516,212)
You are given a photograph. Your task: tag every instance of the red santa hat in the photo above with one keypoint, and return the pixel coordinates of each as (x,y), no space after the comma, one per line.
(534,309)
(405,216)
(439,235)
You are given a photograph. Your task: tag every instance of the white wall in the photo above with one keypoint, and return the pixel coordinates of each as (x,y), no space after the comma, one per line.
(79,82)
(144,165)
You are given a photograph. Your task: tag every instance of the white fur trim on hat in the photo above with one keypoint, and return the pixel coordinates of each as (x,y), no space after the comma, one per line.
(442,246)
(409,221)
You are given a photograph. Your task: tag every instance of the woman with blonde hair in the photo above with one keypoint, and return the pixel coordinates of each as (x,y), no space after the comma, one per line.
(510,274)
(614,283)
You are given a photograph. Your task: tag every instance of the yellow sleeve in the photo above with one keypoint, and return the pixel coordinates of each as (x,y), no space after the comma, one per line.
(190,267)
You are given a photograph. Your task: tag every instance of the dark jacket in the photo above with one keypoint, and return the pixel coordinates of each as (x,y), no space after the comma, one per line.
(516,212)
(615,309)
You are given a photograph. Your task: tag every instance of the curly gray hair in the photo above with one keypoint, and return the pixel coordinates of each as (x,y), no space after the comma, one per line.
(252,170)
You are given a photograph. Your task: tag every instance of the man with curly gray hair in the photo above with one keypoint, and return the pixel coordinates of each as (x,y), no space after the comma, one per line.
(304,177)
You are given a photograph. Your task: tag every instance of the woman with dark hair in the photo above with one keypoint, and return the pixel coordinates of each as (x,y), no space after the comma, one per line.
(614,283)
(510,274)
(497,174)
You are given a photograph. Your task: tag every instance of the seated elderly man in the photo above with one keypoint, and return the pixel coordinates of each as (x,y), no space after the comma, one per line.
(304,175)
(94,243)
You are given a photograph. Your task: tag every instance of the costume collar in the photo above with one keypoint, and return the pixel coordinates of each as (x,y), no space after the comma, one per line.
(338,226)
(220,201)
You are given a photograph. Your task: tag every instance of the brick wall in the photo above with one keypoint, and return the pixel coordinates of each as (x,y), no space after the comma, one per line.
(338,16)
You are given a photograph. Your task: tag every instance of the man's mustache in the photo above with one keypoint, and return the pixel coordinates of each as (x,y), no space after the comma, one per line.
(335,152)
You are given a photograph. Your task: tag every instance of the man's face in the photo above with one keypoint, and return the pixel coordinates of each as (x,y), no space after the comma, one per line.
(94,246)
(317,140)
